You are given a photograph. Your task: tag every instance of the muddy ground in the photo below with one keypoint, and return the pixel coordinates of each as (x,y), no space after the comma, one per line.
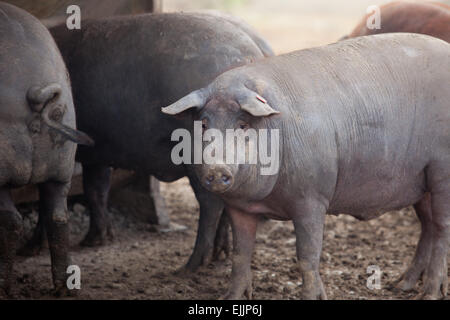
(143,264)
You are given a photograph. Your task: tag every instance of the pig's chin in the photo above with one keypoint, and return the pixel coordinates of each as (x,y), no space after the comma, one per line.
(217,189)
(218,186)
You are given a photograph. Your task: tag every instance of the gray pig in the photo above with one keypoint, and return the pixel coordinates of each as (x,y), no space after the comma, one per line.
(364,128)
(37,118)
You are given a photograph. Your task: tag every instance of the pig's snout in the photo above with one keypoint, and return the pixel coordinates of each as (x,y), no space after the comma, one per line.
(218,178)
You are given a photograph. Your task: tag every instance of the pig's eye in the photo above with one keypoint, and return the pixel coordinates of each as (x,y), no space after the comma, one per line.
(244,126)
(204,125)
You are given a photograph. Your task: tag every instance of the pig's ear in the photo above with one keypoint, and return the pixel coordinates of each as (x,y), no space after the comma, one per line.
(254,104)
(196,99)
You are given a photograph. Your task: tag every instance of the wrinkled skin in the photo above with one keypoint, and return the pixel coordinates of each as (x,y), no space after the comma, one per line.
(123,71)
(364,129)
(430,18)
(37,119)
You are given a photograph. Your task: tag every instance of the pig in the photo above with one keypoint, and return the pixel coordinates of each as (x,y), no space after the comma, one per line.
(431,18)
(123,70)
(364,128)
(38,137)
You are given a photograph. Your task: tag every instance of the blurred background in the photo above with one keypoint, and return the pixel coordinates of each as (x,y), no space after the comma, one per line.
(289,24)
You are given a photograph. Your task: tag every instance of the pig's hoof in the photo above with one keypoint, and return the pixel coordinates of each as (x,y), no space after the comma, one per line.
(314,295)
(184,272)
(405,285)
(244,289)
(236,295)
(435,288)
(406,282)
(93,241)
(199,258)
(313,288)
(96,239)
(423,296)
(62,291)
(98,236)
(410,278)
(191,268)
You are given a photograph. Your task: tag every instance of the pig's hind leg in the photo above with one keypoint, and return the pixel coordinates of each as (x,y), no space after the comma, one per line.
(53,210)
(37,242)
(436,273)
(309,222)
(96,184)
(423,250)
(10,231)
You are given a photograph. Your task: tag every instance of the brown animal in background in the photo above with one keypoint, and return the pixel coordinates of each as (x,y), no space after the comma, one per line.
(429,18)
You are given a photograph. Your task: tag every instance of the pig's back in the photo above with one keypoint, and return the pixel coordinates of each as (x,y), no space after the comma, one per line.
(385,83)
(125,69)
(375,108)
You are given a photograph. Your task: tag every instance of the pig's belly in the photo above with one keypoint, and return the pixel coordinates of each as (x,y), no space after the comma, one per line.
(372,198)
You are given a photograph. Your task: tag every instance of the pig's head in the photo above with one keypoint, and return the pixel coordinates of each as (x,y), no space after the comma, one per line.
(234,111)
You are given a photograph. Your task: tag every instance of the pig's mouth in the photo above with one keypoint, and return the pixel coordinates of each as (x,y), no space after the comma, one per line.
(218,179)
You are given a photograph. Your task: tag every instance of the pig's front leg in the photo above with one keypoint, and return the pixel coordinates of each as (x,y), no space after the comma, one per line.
(211,208)
(309,222)
(244,233)
(423,251)
(436,273)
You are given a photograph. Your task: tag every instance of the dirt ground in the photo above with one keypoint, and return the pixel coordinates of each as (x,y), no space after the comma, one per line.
(143,264)
(289,25)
